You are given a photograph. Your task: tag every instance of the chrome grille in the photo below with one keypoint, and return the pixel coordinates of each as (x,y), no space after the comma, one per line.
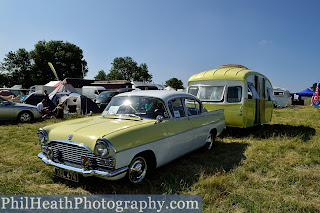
(70,154)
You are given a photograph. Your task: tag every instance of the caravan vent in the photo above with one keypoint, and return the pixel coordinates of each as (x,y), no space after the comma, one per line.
(233,65)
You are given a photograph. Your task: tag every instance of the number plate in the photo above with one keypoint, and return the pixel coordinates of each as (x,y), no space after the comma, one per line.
(67,174)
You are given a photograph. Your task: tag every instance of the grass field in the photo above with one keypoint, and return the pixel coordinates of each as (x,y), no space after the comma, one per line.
(274,168)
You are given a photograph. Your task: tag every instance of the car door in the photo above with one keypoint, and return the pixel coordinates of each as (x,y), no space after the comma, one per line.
(198,121)
(6,110)
(179,128)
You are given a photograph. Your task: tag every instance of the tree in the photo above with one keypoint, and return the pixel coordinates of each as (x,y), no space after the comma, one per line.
(174,83)
(66,58)
(18,68)
(102,76)
(30,68)
(314,87)
(125,68)
(3,80)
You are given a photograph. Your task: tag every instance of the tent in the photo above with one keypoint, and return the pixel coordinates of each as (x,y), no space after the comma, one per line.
(35,98)
(55,98)
(307,92)
(63,87)
(78,104)
(52,84)
(169,88)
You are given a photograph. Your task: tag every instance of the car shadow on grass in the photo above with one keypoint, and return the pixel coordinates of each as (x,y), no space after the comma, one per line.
(267,131)
(177,176)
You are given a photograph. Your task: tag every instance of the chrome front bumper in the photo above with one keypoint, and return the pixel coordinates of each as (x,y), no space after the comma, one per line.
(109,175)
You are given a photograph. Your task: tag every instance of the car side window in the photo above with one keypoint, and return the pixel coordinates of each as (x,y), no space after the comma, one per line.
(193,107)
(176,108)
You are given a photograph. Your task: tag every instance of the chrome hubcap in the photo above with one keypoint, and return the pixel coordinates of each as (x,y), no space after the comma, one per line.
(137,170)
(209,141)
(25,117)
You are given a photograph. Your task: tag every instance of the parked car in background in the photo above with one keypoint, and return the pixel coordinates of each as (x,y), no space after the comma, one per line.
(15,111)
(136,132)
(92,91)
(104,98)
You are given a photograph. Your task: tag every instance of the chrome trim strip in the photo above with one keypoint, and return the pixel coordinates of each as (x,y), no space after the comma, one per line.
(110,144)
(82,171)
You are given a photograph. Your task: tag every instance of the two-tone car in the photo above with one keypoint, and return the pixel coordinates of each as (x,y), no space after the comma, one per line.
(136,132)
(15,111)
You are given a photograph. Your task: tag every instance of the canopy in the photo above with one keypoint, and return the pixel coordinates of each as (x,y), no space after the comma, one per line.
(52,84)
(63,87)
(307,92)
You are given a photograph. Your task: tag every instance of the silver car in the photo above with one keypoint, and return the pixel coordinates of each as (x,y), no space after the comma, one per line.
(21,112)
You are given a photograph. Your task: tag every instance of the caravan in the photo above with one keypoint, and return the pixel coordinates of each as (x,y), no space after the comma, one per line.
(244,94)
(282,97)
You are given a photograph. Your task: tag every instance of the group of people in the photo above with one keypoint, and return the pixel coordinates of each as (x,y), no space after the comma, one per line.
(44,109)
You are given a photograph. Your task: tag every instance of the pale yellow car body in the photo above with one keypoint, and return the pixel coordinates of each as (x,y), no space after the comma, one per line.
(128,137)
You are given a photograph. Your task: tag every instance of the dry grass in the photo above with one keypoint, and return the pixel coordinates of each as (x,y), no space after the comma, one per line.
(274,168)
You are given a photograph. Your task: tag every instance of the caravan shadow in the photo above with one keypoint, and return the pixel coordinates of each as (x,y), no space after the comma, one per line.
(267,131)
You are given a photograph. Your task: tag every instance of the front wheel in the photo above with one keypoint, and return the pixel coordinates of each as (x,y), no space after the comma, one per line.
(25,117)
(137,169)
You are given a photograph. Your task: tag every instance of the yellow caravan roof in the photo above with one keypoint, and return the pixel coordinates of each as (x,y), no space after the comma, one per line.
(231,72)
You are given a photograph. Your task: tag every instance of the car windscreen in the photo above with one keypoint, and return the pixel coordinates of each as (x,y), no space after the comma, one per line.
(144,107)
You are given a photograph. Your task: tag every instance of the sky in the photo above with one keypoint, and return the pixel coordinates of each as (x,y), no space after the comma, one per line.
(176,38)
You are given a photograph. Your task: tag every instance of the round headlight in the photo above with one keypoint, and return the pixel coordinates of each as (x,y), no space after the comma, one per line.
(42,136)
(101,149)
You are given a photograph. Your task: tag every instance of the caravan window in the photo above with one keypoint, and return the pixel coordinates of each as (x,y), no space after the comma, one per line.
(278,93)
(211,93)
(193,90)
(234,94)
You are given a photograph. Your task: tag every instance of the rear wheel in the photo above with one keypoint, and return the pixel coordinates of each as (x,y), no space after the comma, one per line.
(137,169)
(210,140)
(25,117)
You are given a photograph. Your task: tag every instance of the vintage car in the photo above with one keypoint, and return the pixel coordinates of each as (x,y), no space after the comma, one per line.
(15,111)
(136,132)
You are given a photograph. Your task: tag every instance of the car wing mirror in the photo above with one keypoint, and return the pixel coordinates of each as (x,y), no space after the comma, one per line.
(159,119)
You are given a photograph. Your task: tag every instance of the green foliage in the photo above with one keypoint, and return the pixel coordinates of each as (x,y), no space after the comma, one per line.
(125,68)
(174,83)
(30,68)
(313,88)
(3,80)
(102,76)
(17,66)
(66,58)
